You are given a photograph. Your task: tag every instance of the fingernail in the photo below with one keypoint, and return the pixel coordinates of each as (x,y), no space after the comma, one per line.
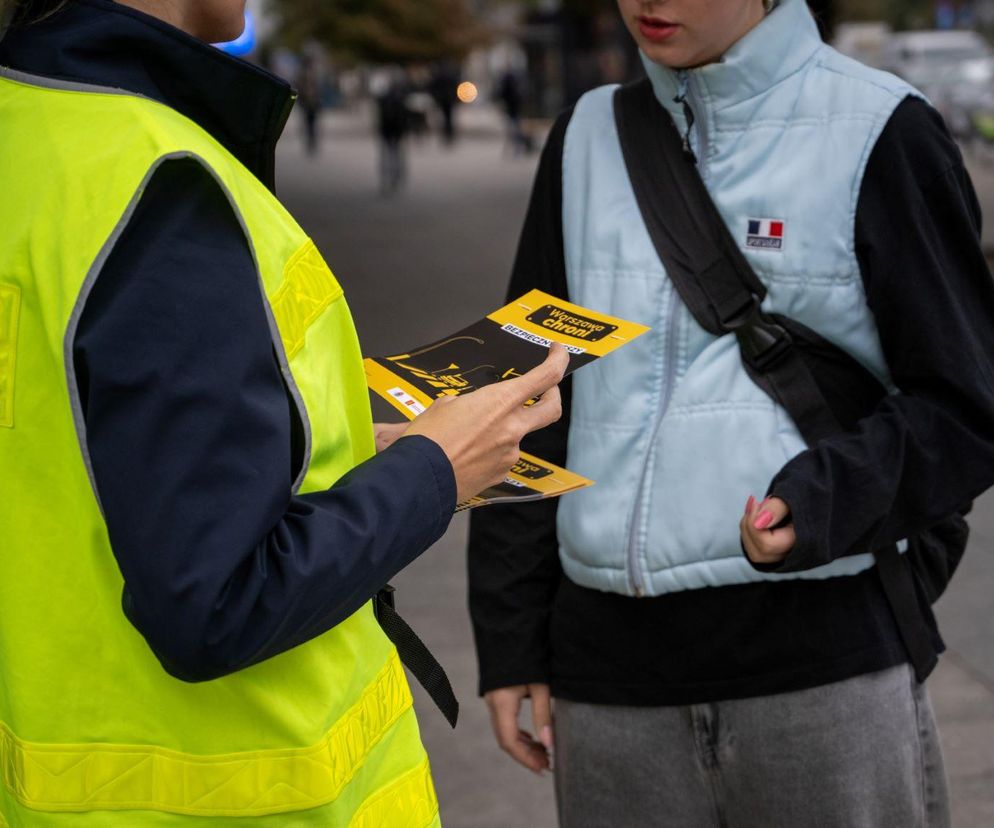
(545,737)
(764,520)
(750,504)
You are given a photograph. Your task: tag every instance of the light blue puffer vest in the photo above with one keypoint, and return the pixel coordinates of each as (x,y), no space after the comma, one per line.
(672,429)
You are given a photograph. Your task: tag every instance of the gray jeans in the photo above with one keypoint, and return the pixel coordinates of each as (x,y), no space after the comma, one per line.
(862,753)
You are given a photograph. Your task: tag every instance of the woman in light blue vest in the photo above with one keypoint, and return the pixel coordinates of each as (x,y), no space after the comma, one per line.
(710,669)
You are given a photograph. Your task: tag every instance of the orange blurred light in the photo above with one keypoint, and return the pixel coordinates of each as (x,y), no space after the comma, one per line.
(467,92)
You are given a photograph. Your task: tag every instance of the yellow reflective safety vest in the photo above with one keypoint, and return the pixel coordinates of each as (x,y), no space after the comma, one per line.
(93,732)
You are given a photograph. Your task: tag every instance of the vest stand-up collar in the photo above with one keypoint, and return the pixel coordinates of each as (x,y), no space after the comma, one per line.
(773,51)
(103,43)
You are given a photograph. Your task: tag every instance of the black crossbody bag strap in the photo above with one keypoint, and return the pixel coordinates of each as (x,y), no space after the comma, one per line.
(723,293)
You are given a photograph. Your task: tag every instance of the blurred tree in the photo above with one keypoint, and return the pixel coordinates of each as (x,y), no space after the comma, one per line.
(382,31)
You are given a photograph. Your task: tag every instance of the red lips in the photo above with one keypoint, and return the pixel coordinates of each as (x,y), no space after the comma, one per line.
(656,29)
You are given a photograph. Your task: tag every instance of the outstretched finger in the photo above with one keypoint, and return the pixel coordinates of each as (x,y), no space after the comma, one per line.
(542,714)
(504,719)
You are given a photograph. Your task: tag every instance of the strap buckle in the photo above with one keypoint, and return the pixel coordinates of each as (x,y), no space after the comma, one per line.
(387,596)
(761,341)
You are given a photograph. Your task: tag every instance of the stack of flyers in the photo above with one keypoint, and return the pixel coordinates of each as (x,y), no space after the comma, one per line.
(507,343)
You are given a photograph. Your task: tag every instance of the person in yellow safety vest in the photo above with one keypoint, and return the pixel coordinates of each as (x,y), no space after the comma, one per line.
(193,516)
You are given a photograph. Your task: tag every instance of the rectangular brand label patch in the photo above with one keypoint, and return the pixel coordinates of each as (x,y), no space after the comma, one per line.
(766,234)
(407,400)
(10,306)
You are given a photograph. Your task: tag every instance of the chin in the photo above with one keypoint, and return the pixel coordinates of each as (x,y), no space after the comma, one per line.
(230,30)
(672,56)
(217,21)
(666,55)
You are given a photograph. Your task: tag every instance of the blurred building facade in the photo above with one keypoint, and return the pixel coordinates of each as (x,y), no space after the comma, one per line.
(562,48)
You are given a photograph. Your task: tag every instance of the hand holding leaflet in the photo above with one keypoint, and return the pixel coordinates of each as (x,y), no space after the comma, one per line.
(504,346)
(482,432)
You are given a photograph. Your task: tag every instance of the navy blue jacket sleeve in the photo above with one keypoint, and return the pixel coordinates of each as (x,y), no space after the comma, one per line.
(195,444)
(929,450)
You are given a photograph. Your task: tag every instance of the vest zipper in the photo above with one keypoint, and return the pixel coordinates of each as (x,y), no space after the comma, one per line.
(688,113)
(669,380)
(691,102)
(686,98)
(636,581)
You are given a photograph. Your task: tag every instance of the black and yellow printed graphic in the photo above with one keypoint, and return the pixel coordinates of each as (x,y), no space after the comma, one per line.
(584,332)
(506,344)
(574,326)
(530,479)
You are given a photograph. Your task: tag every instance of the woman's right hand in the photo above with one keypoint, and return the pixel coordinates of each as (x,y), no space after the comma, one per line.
(481,432)
(532,751)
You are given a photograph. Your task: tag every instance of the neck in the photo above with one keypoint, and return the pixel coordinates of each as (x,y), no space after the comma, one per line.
(170,12)
(751,18)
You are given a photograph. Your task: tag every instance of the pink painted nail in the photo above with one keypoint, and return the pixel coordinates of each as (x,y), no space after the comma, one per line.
(764,520)
(750,504)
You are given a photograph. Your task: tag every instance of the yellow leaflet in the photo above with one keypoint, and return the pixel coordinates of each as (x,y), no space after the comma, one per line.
(530,479)
(546,478)
(400,394)
(506,344)
(542,315)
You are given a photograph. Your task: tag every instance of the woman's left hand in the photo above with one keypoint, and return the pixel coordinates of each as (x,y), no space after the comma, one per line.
(388,433)
(767,533)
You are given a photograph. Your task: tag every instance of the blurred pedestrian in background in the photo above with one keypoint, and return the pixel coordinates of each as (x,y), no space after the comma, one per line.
(510,91)
(310,98)
(197,515)
(444,86)
(393,125)
(709,667)
(420,104)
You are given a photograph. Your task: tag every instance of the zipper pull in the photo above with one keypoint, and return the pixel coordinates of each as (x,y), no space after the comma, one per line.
(688,113)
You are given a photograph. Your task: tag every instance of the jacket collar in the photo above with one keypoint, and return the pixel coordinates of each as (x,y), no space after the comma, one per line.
(777,48)
(103,43)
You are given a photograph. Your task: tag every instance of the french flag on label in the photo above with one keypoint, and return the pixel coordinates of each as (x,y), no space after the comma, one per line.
(766,234)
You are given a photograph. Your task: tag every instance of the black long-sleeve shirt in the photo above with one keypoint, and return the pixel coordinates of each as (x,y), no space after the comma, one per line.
(193,438)
(925,453)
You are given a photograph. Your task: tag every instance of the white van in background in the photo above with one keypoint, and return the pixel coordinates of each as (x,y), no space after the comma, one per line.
(866,42)
(955,70)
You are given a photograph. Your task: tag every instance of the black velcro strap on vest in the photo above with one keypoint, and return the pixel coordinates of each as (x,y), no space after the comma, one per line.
(415,656)
(723,293)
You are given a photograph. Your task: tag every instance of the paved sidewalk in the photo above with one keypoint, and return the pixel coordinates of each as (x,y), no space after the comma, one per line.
(438,256)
